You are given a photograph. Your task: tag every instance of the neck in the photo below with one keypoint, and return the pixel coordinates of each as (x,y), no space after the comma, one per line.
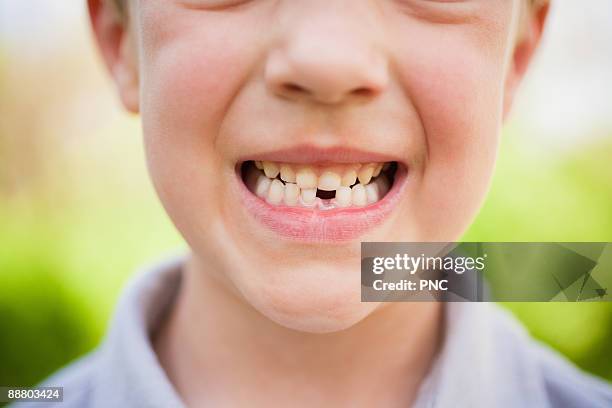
(216,349)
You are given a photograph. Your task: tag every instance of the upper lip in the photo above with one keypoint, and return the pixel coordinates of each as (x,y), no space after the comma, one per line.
(311,154)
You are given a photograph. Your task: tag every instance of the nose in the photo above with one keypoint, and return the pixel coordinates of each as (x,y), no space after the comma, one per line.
(327,59)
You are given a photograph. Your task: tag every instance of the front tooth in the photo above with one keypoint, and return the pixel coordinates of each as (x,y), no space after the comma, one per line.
(358,195)
(329,181)
(306,178)
(365,173)
(259,165)
(349,178)
(309,195)
(343,196)
(262,186)
(287,173)
(270,169)
(276,192)
(292,192)
(372,193)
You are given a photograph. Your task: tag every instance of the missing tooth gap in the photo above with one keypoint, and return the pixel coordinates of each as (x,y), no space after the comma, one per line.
(326,195)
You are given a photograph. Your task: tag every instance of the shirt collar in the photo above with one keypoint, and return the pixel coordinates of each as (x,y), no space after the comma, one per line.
(130,374)
(484,361)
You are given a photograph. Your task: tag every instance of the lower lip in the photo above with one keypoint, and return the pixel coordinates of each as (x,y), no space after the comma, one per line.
(337,225)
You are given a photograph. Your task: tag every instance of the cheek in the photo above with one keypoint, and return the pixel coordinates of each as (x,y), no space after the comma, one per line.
(460,106)
(190,73)
(455,85)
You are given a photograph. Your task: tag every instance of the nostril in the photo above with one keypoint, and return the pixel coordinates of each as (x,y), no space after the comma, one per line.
(294,88)
(363,91)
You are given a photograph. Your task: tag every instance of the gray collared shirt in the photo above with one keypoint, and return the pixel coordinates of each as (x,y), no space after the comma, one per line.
(487,360)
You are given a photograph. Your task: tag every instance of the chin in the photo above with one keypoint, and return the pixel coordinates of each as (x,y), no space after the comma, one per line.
(311,318)
(322,301)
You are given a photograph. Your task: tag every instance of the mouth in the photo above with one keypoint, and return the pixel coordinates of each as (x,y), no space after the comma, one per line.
(316,200)
(323,188)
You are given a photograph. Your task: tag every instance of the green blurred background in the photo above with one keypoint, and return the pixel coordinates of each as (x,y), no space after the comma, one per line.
(78,215)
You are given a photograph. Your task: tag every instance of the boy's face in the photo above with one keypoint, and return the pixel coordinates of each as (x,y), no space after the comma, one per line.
(327,87)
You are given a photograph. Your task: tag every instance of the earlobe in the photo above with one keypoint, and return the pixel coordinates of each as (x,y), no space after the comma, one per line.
(126,77)
(117,49)
(524,51)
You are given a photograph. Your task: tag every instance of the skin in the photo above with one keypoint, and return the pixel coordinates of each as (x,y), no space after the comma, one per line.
(209,78)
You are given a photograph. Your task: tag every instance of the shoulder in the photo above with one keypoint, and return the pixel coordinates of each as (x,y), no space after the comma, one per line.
(568,386)
(124,370)
(564,384)
(77,381)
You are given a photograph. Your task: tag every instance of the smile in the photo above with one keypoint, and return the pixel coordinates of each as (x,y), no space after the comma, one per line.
(315,198)
(320,187)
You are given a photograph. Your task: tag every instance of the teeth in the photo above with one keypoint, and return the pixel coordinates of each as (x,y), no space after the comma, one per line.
(343,196)
(276,192)
(287,173)
(292,193)
(377,170)
(358,194)
(329,181)
(349,178)
(372,193)
(306,178)
(300,183)
(309,195)
(365,173)
(262,185)
(270,169)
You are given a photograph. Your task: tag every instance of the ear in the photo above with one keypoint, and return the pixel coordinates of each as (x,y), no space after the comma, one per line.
(526,45)
(117,48)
